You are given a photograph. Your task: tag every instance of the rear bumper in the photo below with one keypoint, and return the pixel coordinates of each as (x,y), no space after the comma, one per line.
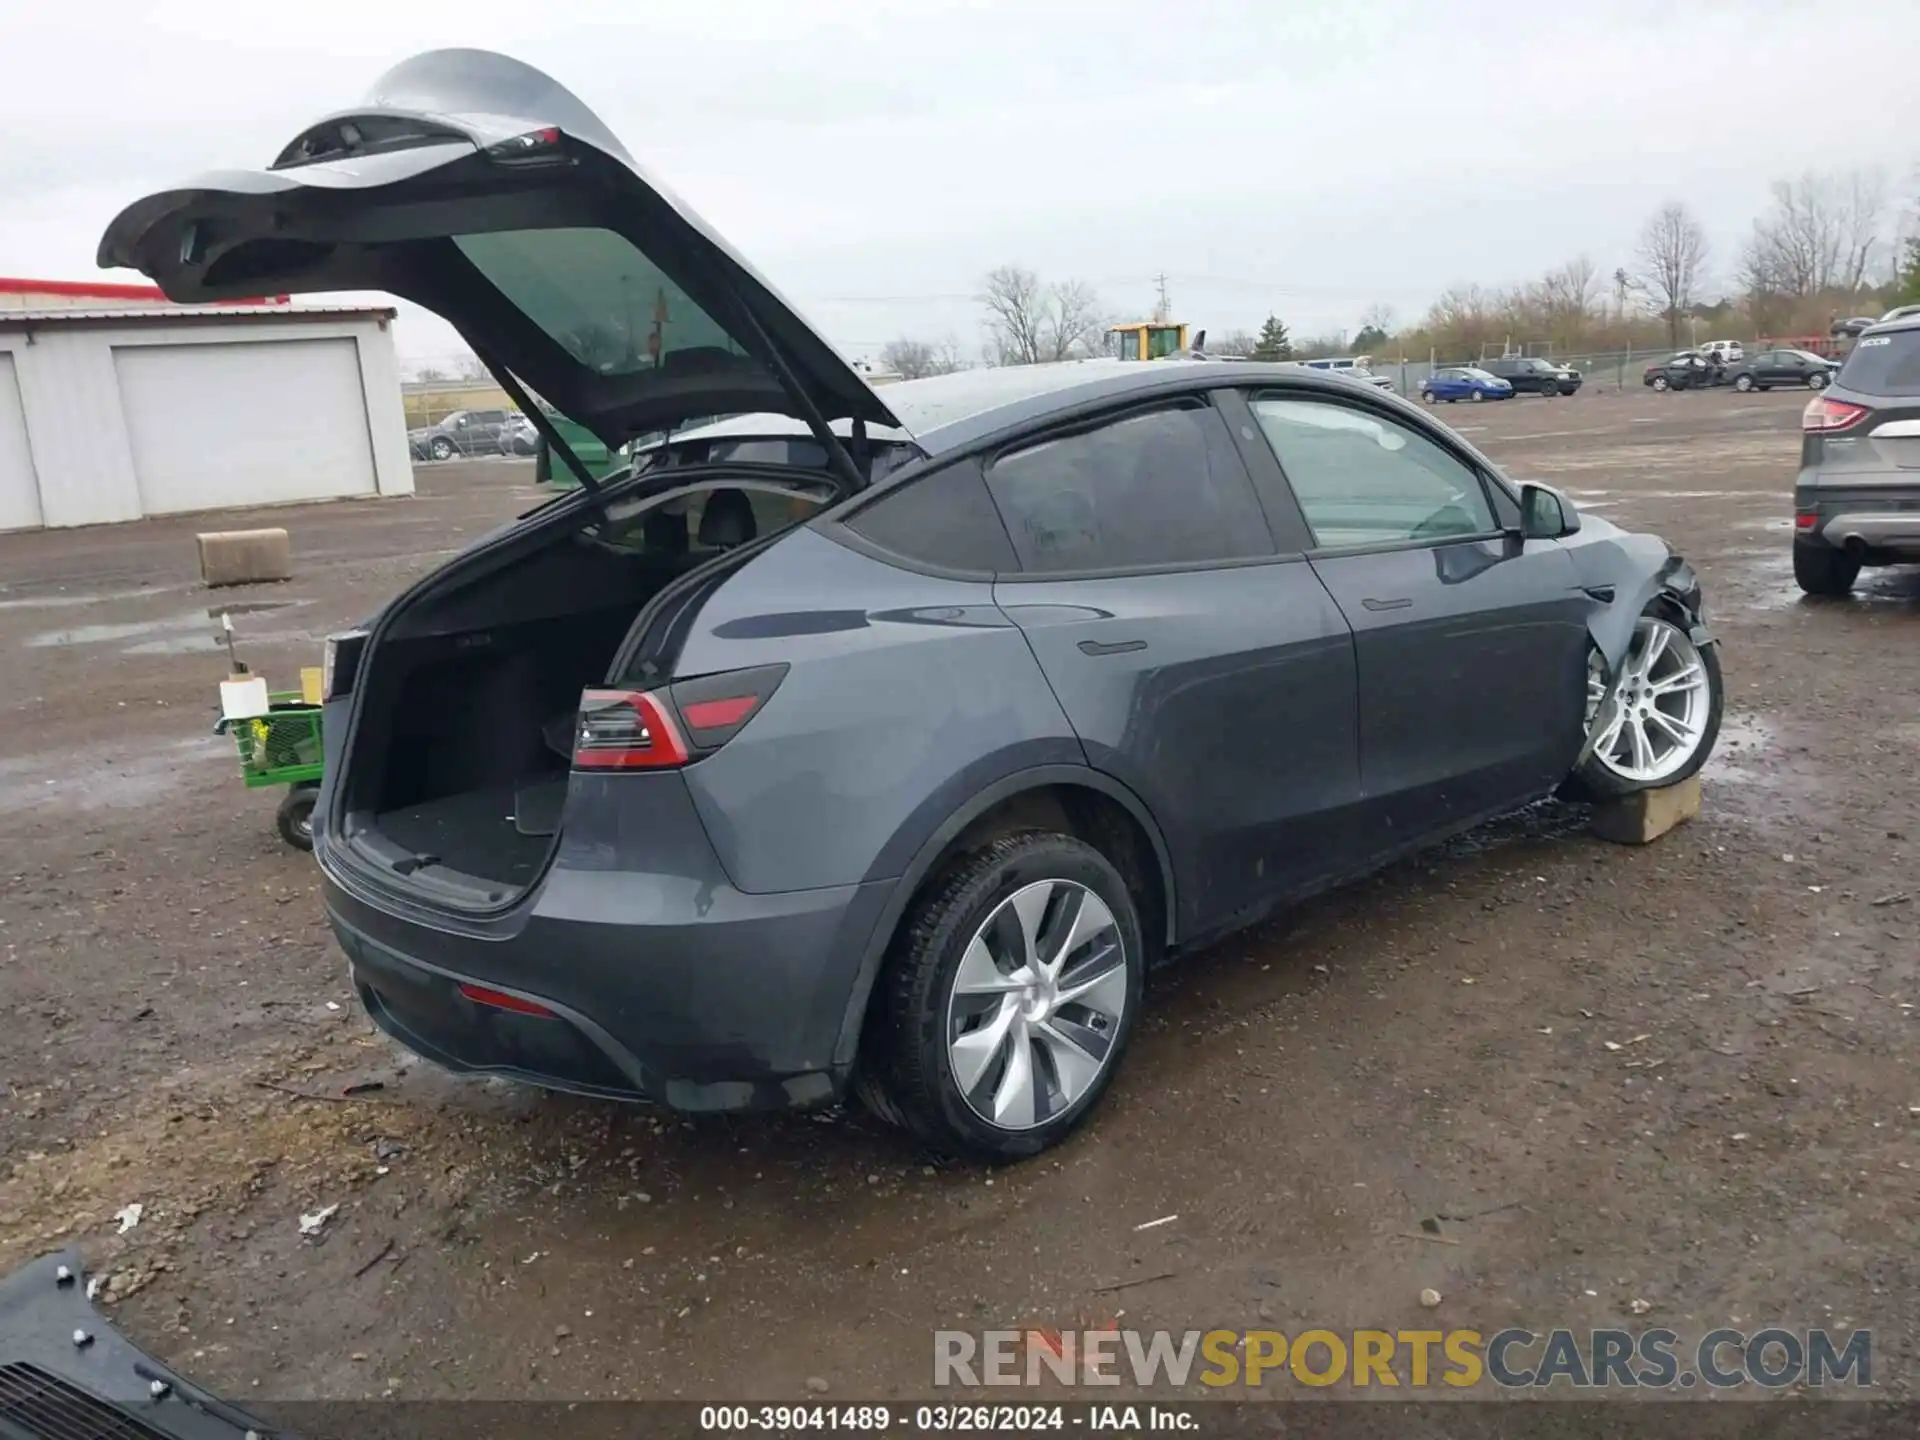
(739,1008)
(1881,519)
(664,982)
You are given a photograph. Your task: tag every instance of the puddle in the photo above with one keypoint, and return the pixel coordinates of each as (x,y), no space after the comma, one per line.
(248,607)
(103,634)
(193,632)
(63,601)
(1750,774)
(103,777)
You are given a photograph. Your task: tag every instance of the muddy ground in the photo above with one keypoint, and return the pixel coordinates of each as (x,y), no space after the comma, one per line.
(1434,1042)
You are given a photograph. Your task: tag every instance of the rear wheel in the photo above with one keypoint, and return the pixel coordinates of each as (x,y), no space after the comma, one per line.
(1667,714)
(1823,570)
(1009,998)
(1660,382)
(1476,397)
(294,819)
(1743,383)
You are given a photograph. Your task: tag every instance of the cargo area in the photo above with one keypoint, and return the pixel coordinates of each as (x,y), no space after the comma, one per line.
(458,765)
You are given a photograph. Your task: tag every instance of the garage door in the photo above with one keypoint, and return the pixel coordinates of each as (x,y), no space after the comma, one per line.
(245,423)
(19,490)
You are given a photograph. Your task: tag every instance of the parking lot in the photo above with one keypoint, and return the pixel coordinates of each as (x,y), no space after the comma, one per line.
(1675,1082)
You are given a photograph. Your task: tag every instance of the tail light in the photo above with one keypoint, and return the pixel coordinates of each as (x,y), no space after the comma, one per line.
(1806,520)
(626,730)
(1824,414)
(662,729)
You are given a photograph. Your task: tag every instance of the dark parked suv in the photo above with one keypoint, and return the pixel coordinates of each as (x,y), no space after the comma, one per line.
(1857,499)
(881,741)
(1532,376)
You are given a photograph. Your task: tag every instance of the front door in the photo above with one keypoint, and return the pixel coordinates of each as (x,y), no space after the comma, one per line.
(1470,644)
(1199,666)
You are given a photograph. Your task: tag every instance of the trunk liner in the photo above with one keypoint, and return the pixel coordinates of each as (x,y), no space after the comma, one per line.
(476,832)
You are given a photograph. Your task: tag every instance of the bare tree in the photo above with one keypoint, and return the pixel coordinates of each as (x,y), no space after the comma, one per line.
(1672,256)
(1239,343)
(468,367)
(1820,234)
(915,359)
(1378,316)
(1030,323)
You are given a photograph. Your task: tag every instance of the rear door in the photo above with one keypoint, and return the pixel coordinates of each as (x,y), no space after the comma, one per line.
(1470,644)
(1200,660)
(1883,373)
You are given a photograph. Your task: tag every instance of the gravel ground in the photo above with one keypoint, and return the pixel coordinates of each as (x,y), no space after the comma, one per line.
(1437,1041)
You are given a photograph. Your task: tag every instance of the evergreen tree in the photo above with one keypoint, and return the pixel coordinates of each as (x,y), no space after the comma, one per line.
(1272,342)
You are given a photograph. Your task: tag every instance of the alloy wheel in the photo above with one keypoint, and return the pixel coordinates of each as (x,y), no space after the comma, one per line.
(1664,702)
(1037,1001)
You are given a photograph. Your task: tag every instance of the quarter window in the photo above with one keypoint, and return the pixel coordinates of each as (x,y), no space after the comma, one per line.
(1157,489)
(1363,479)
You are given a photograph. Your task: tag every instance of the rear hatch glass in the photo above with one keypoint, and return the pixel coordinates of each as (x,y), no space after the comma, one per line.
(1884,364)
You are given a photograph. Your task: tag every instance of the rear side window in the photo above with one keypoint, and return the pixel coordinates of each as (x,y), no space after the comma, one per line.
(1162,488)
(1884,364)
(944,520)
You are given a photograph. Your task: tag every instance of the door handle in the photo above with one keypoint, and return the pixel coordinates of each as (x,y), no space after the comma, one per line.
(1117,647)
(1403,603)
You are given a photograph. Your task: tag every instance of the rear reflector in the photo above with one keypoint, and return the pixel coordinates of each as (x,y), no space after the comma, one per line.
(715,708)
(500,1000)
(1806,520)
(626,730)
(1824,414)
(715,714)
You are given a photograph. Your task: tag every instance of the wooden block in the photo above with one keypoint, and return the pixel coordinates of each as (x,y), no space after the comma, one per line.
(244,557)
(1641,819)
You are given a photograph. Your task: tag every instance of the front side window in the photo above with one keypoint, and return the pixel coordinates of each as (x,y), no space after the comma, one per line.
(1156,489)
(601,300)
(1363,479)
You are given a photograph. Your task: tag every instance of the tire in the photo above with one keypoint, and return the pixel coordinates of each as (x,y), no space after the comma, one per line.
(1743,383)
(1427,395)
(1816,381)
(1476,397)
(919,1021)
(1823,570)
(1608,773)
(294,819)
(1660,382)
(441,449)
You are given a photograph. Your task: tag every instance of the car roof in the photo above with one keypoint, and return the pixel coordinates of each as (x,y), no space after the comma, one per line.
(947,412)
(1889,327)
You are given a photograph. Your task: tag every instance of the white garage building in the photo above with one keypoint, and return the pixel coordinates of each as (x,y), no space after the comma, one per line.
(116,409)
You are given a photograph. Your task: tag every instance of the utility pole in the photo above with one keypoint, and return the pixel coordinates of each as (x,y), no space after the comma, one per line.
(1162,306)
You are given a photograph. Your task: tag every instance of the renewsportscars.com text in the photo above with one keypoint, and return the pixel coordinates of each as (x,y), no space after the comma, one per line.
(1655,1358)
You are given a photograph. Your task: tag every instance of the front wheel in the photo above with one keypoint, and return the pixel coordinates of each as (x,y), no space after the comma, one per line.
(1667,714)
(1817,381)
(1743,383)
(442,449)
(295,817)
(1427,395)
(1476,397)
(1008,998)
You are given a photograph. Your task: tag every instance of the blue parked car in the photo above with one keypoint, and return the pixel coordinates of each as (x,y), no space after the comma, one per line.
(1464,382)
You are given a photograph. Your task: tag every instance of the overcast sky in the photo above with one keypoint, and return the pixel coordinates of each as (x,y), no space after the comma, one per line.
(875,157)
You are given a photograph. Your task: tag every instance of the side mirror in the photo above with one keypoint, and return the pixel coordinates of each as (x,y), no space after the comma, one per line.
(1546,514)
